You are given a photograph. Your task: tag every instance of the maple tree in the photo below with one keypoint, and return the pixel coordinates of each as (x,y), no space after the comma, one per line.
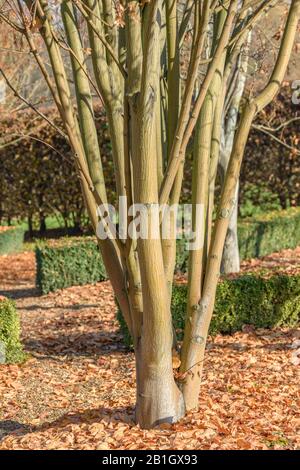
(156,104)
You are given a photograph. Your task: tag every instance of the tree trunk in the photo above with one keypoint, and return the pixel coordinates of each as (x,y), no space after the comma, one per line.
(30,226)
(231,255)
(42,225)
(158,399)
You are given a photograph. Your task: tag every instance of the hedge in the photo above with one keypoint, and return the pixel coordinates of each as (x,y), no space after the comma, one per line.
(270,174)
(77,260)
(69,262)
(259,236)
(11,350)
(11,240)
(272,232)
(246,300)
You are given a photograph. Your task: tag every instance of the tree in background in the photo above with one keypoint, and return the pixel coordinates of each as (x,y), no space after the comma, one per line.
(155,103)
(230,113)
(273,135)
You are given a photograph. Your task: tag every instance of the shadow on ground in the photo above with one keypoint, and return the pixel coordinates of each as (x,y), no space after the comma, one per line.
(86,344)
(89,416)
(15,294)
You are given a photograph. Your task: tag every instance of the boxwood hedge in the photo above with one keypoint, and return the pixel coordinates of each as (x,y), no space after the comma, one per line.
(11,350)
(259,236)
(252,300)
(68,262)
(77,261)
(11,240)
(272,232)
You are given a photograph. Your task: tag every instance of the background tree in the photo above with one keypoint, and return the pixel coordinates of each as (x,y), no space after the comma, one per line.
(231,258)
(259,60)
(153,110)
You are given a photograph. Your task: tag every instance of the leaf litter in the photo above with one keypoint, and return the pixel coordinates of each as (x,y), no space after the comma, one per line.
(77,389)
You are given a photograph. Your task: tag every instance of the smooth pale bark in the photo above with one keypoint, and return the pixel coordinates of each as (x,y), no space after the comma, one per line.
(173,69)
(158,398)
(188,121)
(231,257)
(109,250)
(173,98)
(202,205)
(197,257)
(110,84)
(84,99)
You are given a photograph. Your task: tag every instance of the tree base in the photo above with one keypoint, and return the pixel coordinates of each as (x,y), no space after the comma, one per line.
(158,398)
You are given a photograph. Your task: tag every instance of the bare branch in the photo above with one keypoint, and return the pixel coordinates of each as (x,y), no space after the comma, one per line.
(31,106)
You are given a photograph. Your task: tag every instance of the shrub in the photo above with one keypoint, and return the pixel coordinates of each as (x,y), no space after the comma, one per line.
(10,346)
(259,236)
(77,261)
(69,262)
(257,200)
(253,300)
(271,232)
(11,239)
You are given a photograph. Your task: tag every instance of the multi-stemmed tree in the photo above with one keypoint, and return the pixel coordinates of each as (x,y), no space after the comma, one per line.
(163,70)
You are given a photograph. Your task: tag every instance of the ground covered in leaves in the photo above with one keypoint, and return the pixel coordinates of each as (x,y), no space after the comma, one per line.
(77,389)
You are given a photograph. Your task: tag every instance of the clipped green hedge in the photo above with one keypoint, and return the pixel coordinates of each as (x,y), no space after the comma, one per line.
(269,233)
(77,261)
(11,240)
(259,236)
(246,300)
(70,262)
(11,350)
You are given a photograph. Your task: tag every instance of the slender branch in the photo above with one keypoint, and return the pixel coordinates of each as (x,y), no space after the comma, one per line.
(103,40)
(68,49)
(28,136)
(181,141)
(11,23)
(280,127)
(31,106)
(272,136)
